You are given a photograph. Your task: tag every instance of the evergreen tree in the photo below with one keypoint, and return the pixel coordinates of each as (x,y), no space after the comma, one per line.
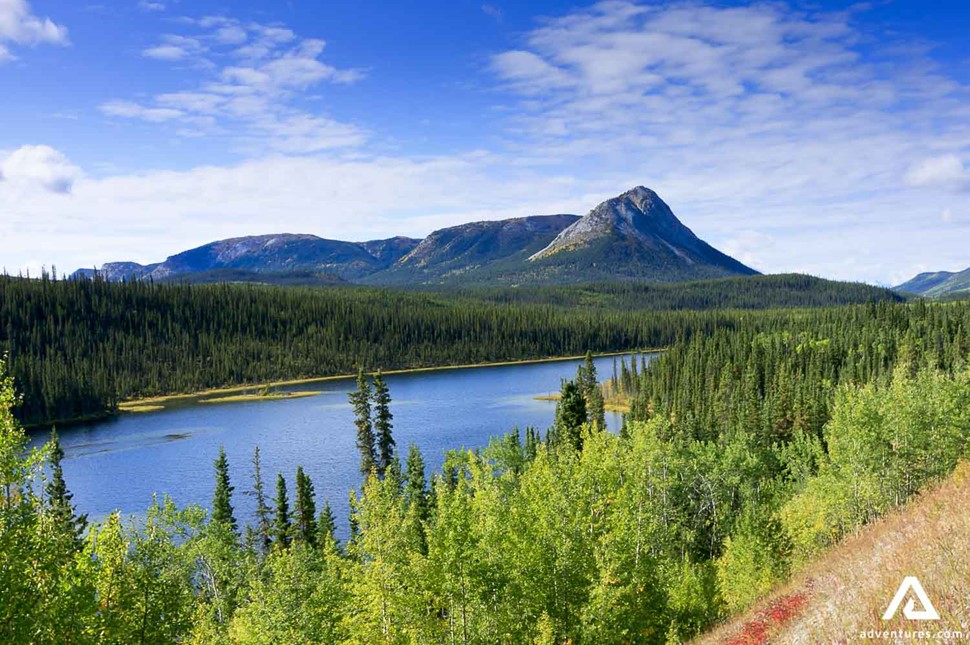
(263,512)
(586,377)
(570,416)
(326,526)
(531,443)
(415,488)
(382,424)
(59,497)
(222,498)
(597,408)
(305,510)
(281,522)
(361,400)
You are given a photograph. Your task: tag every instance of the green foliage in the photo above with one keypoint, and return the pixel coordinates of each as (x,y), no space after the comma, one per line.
(884,443)
(59,497)
(360,399)
(282,530)
(305,509)
(222,497)
(299,597)
(570,416)
(747,451)
(382,424)
(79,347)
(264,517)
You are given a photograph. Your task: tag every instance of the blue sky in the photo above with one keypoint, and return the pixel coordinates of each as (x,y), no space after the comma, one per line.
(826,137)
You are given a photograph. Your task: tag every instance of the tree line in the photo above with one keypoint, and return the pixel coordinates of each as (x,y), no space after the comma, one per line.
(78,347)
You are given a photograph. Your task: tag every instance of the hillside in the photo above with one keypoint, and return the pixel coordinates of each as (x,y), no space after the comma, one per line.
(938,284)
(846,591)
(749,292)
(474,251)
(634,236)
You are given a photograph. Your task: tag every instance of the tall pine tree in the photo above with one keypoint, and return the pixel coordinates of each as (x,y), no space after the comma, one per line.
(361,400)
(305,510)
(570,416)
(281,522)
(382,424)
(60,497)
(263,512)
(326,527)
(222,498)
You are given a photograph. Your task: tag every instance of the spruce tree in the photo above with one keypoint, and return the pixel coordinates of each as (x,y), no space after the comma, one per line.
(597,408)
(263,512)
(281,522)
(326,526)
(531,443)
(60,497)
(382,424)
(361,400)
(305,510)
(222,498)
(570,416)
(586,376)
(415,488)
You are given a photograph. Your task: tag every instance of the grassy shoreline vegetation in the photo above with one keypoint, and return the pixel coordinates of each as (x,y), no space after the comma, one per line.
(78,348)
(750,450)
(245,392)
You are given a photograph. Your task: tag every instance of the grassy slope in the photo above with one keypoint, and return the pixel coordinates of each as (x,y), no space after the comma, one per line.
(847,590)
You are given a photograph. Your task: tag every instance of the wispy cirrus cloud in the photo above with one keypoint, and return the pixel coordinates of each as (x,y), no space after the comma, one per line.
(19,26)
(249,79)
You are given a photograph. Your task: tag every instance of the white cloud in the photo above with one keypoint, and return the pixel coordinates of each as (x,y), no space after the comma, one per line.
(151,6)
(34,167)
(19,26)
(250,78)
(946,171)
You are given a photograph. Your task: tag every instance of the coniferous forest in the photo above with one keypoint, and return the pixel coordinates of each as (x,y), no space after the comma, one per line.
(78,347)
(758,439)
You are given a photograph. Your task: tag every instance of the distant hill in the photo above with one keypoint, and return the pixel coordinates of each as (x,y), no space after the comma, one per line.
(634,236)
(938,285)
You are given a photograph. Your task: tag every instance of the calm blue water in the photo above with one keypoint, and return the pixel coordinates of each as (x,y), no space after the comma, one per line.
(118,464)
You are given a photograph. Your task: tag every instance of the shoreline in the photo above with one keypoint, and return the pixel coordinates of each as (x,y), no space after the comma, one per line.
(156,403)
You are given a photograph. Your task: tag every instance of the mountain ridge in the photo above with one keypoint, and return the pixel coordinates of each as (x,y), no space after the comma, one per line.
(934,284)
(633,236)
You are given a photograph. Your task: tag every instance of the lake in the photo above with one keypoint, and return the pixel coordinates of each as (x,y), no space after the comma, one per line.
(119,463)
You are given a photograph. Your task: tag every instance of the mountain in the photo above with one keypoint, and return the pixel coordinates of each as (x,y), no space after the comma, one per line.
(938,284)
(475,251)
(634,236)
(317,259)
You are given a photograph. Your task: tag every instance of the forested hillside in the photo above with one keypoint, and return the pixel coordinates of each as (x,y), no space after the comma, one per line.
(749,450)
(78,347)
